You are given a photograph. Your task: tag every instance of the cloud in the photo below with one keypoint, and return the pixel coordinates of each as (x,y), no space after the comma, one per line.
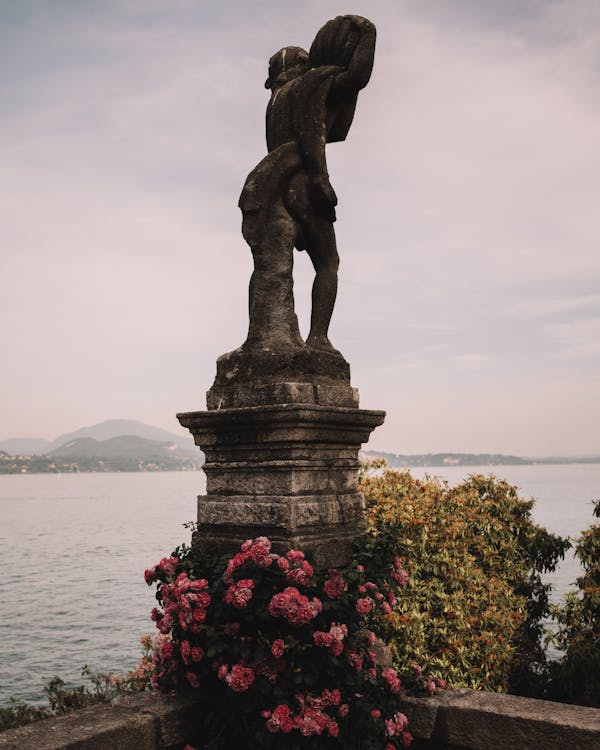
(548,307)
(578,339)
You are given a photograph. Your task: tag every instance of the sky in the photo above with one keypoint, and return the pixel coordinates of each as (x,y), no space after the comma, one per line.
(468,219)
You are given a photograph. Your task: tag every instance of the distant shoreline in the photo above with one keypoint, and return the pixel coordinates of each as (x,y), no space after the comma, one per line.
(395,465)
(445,460)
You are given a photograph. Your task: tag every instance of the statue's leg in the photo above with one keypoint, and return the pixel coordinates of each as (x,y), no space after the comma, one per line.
(323,254)
(273,322)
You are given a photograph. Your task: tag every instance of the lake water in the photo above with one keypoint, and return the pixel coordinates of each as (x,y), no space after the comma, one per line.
(73,549)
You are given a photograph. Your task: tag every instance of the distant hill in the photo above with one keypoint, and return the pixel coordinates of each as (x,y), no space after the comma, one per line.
(121,453)
(123,446)
(102,431)
(113,428)
(114,445)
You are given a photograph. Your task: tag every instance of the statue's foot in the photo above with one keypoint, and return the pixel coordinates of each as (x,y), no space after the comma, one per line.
(322,344)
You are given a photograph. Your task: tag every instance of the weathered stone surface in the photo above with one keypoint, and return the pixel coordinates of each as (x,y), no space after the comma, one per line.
(287,200)
(478,721)
(288,472)
(279,512)
(422,713)
(250,394)
(177,718)
(451,720)
(94,728)
(285,425)
(275,478)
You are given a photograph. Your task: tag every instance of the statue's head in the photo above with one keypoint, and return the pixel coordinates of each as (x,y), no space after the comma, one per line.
(288,63)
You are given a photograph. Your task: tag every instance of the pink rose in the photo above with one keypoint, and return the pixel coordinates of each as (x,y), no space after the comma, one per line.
(167,565)
(240,678)
(192,679)
(391,677)
(150,575)
(186,650)
(324,640)
(277,648)
(364,605)
(334,585)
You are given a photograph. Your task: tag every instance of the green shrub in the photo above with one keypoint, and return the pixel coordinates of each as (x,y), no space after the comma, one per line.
(473,607)
(61,699)
(576,677)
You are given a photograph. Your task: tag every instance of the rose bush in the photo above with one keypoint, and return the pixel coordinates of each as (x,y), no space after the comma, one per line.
(282,656)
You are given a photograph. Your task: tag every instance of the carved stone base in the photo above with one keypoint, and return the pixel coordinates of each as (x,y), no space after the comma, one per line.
(286,471)
(252,376)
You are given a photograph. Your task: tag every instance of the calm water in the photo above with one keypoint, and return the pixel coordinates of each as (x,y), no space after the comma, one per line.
(73,549)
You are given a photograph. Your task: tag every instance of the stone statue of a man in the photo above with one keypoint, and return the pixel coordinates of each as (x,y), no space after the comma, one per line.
(287,200)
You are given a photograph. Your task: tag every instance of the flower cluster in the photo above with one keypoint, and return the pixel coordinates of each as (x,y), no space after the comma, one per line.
(185,602)
(297,570)
(335,585)
(391,677)
(260,623)
(165,566)
(239,594)
(396,727)
(256,550)
(333,640)
(312,717)
(238,678)
(294,606)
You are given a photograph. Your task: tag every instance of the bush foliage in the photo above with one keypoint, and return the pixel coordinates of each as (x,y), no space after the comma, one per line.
(576,677)
(291,653)
(474,603)
(62,699)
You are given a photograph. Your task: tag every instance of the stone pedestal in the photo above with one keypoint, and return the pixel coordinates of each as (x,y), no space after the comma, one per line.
(281,438)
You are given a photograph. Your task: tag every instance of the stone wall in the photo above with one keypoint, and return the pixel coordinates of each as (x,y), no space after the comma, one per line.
(452,720)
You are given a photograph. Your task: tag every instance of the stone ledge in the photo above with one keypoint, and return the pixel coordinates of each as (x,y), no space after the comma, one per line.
(95,728)
(484,721)
(454,720)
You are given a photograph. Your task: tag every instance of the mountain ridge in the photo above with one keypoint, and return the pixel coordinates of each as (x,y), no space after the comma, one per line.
(109,428)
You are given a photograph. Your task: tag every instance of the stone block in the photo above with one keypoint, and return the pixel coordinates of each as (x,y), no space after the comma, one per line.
(287,471)
(177,718)
(422,713)
(274,478)
(245,511)
(94,728)
(478,721)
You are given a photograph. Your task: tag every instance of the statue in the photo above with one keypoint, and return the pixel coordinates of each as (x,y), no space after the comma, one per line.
(287,201)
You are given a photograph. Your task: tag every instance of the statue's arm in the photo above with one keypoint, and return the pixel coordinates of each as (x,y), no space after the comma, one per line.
(358,71)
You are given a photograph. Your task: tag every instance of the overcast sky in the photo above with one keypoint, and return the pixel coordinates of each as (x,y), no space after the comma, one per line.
(468,222)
